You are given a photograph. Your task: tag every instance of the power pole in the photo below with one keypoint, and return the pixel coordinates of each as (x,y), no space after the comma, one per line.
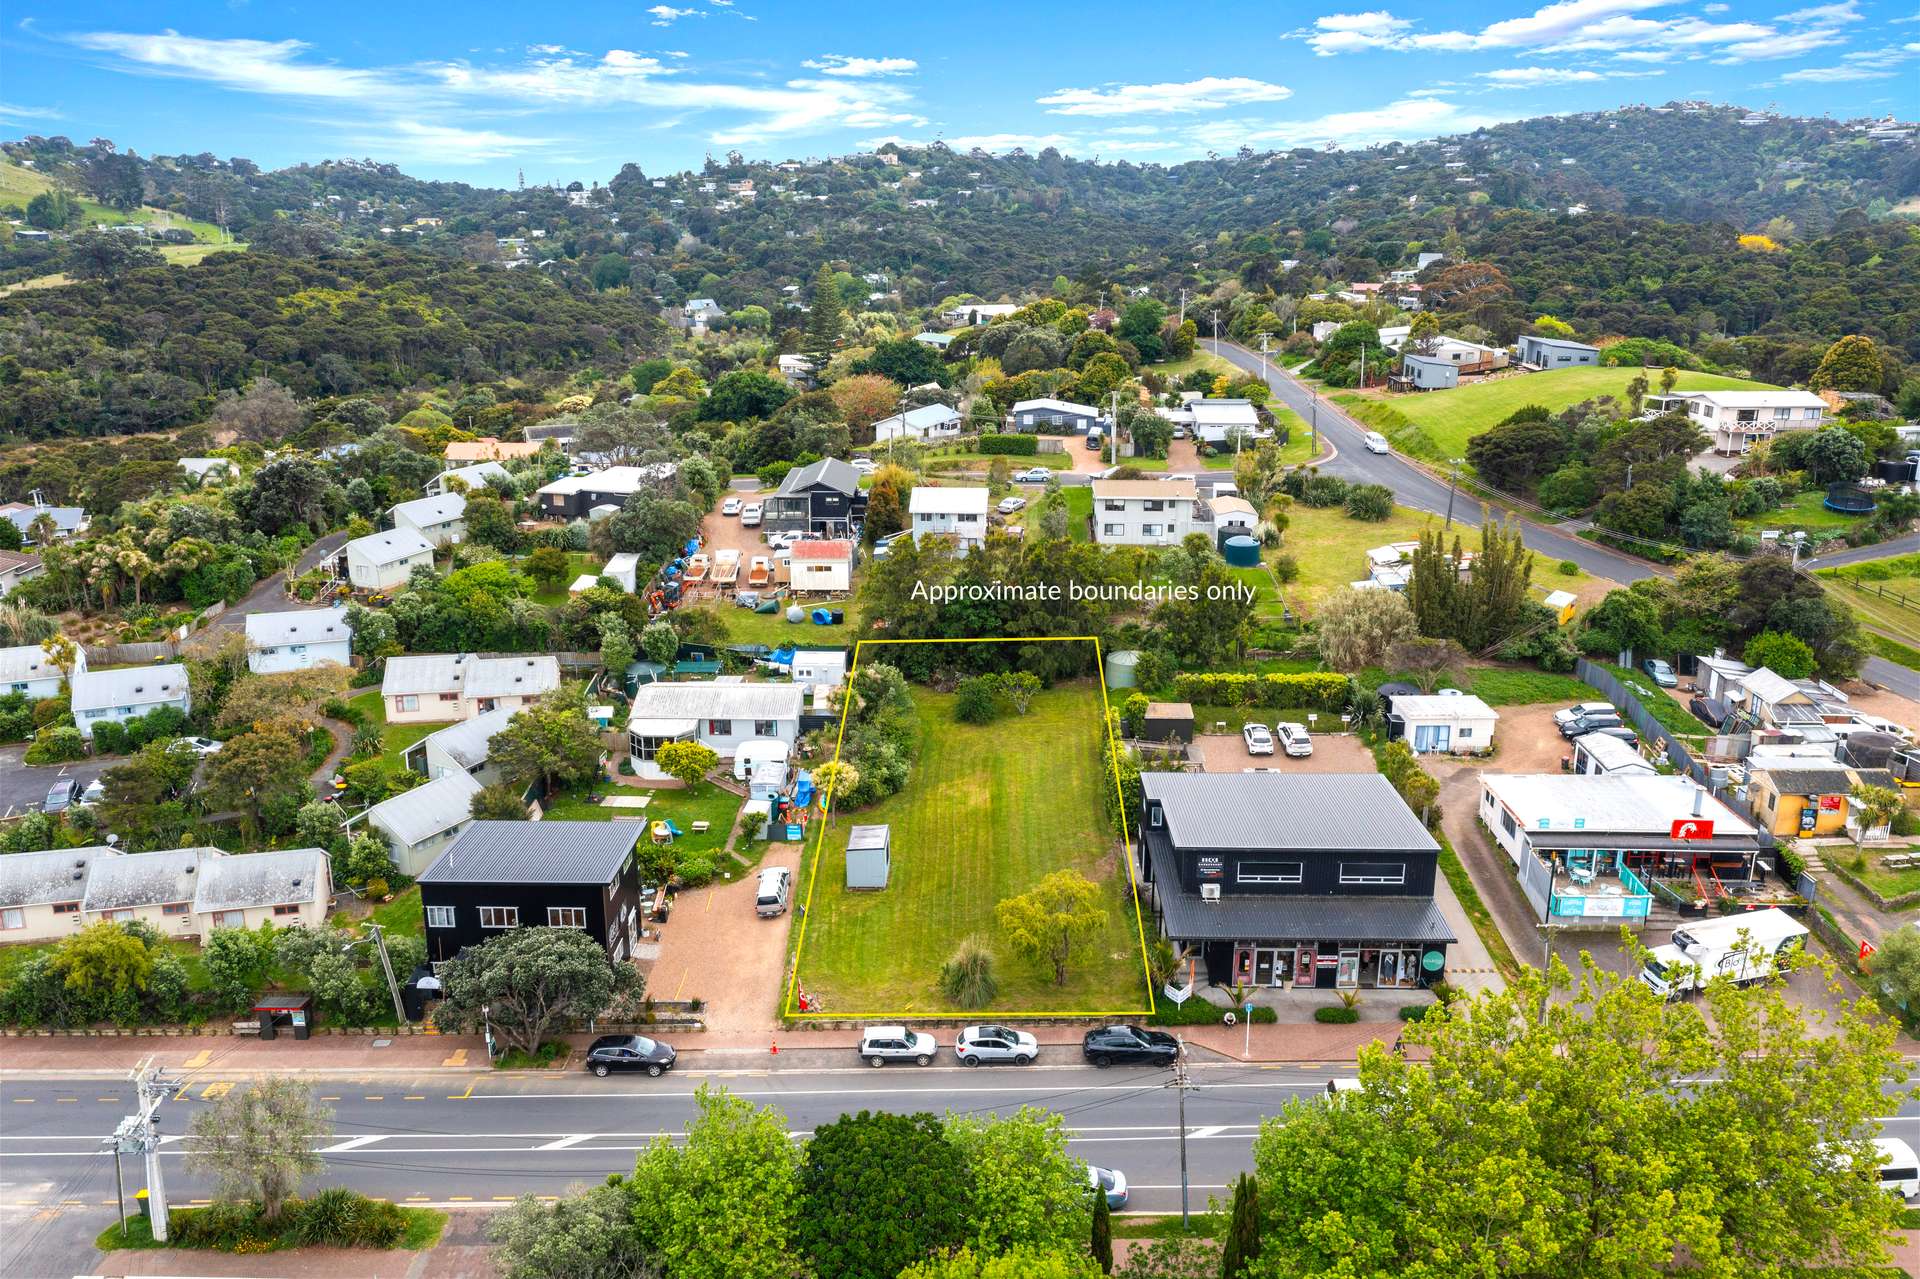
(1182,1081)
(1453,482)
(139,1134)
(1183,306)
(386,965)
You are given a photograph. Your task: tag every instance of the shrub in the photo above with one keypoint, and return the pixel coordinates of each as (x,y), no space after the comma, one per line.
(47,710)
(1325,691)
(773,472)
(1569,569)
(1370,502)
(976,701)
(695,869)
(1336,1016)
(1284,567)
(109,738)
(1015,445)
(1324,491)
(1415,1012)
(56,744)
(1198,1012)
(966,979)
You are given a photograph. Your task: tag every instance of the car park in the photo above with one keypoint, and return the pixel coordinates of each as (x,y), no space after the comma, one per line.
(774,893)
(198,745)
(1660,673)
(1377,443)
(1294,739)
(977,1045)
(1129,1045)
(882,1044)
(1581,725)
(1259,740)
(1110,1182)
(61,796)
(629,1052)
(750,517)
(1008,505)
(1034,475)
(731,506)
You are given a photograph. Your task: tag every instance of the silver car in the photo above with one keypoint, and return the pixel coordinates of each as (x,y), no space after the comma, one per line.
(977,1044)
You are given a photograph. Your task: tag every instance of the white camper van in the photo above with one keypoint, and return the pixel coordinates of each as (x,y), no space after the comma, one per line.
(1746,947)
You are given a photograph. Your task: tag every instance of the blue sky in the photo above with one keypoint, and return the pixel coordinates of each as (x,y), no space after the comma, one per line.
(478,91)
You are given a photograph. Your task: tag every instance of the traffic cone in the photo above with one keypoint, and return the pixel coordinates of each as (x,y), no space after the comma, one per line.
(776,1048)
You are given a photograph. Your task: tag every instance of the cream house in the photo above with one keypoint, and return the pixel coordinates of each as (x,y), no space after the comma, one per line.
(41,893)
(449,687)
(290,888)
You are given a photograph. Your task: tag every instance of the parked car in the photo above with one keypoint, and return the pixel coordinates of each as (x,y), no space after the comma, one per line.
(1622,732)
(865,465)
(750,516)
(882,1044)
(198,745)
(1008,505)
(1377,443)
(977,1044)
(1584,724)
(1581,710)
(1120,1045)
(65,790)
(883,545)
(95,792)
(1660,673)
(776,889)
(731,506)
(629,1052)
(1034,475)
(1094,441)
(1110,1182)
(1710,711)
(1294,739)
(1259,740)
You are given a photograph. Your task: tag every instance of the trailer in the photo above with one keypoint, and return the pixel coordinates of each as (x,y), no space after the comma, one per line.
(726,568)
(697,568)
(759,571)
(1745,947)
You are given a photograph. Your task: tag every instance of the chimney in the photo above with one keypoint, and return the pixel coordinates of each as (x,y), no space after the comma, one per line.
(1699,798)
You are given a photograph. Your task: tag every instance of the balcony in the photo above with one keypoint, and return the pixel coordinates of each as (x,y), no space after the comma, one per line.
(1587,894)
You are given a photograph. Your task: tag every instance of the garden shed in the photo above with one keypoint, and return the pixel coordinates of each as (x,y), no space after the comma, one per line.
(869,856)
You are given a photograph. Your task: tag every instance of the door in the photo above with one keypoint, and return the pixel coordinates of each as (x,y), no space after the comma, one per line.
(1263,968)
(1432,737)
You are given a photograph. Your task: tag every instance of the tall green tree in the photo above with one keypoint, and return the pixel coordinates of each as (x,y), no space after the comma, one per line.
(1853,363)
(1054,918)
(585,1236)
(879,1192)
(723,1203)
(826,318)
(1026,1190)
(551,741)
(1100,1244)
(1243,1230)
(257,1143)
(531,982)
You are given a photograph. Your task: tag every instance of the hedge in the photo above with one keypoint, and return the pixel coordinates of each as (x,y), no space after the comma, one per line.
(1326,691)
(1336,1016)
(1019,445)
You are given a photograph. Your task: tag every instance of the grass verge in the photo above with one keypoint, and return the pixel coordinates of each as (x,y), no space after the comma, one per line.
(424,1226)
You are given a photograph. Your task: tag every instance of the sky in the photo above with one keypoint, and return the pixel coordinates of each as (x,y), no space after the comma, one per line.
(484,92)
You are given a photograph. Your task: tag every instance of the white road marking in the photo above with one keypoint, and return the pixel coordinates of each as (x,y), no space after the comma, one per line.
(352,1143)
(564,1142)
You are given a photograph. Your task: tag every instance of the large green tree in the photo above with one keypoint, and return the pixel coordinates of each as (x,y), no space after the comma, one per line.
(826,318)
(1026,1190)
(532,982)
(879,1192)
(723,1203)
(1054,918)
(551,741)
(259,1141)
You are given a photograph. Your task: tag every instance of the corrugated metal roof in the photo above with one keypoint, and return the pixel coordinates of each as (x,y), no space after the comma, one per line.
(29,662)
(425,511)
(830,471)
(826,550)
(441,804)
(312,626)
(56,875)
(427,673)
(467,743)
(145,879)
(1170,490)
(1451,709)
(1624,803)
(710,699)
(131,686)
(513,676)
(243,880)
(546,852)
(1266,916)
(390,547)
(1350,811)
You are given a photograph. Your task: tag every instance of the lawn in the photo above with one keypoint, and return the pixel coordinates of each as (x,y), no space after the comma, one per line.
(1886,594)
(1198,360)
(1673,717)
(1519,686)
(1888,883)
(394,738)
(1893,650)
(989,811)
(1079,503)
(1267,602)
(1438,424)
(578,562)
(953,458)
(702,803)
(1297,451)
(18,185)
(1806,511)
(744,626)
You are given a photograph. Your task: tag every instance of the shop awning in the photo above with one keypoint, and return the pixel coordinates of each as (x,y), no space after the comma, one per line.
(1269,917)
(1733,845)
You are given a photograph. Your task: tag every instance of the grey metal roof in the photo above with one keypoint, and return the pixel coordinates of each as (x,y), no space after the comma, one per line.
(863,837)
(307,626)
(130,686)
(240,881)
(468,743)
(390,547)
(1277,811)
(710,699)
(25,664)
(428,673)
(1267,916)
(145,879)
(56,875)
(828,470)
(513,676)
(1810,781)
(536,853)
(424,511)
(428,809)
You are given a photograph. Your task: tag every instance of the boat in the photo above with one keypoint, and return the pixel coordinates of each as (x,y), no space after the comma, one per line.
(697,569)
(759,571)
(726,568)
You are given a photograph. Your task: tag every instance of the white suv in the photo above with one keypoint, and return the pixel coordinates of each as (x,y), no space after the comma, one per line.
(1259,740)
(882,1044)
(1294,739)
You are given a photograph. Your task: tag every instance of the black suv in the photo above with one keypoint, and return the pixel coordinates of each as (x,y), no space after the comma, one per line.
(629,1052)
(1108,1045)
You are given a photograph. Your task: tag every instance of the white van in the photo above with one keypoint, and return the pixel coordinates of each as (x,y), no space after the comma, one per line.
(1899,1167)
(1377,443)
(775,892)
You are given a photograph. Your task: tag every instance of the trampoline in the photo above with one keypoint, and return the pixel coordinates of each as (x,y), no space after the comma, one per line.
(1849,499)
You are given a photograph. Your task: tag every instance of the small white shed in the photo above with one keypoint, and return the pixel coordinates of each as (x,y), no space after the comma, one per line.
(869,856)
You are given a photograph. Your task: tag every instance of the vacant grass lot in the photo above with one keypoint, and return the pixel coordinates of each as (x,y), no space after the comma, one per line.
(1198,360)
(1806,511)
(990,811)
(1518,686)
(1438,424)
(1885,594)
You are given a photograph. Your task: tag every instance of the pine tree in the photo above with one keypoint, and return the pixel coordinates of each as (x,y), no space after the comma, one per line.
(826,319)
(1102,1243)
(1243,1230)
(1492,597)
(1433,588)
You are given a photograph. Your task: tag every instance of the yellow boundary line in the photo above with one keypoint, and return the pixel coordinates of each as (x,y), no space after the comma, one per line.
(1126,843)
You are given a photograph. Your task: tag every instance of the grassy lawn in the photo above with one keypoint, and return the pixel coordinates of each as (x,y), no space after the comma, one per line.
(954,458)
(1198,360)
(578,562)
(1518,686)
(1267,601)
(188,254)
(1438,424)
(1297,451)
(1079,500)
(402,917)
(1806,511)
(1888,883)
(18,185)
(744,626)
(702,803)
(990,810)
(1673,717)
(1885,594)
(394,738)
(1893,650)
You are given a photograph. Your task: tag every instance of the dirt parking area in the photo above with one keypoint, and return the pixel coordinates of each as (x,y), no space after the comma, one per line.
(1526,740)
(1332,753)
(1868,700)
(714,947)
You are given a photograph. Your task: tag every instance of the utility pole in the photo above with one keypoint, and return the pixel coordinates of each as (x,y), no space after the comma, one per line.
(1313,407)
(1183,306)
(386,964)
(1182,1081)
(1453,482)
(139,1134)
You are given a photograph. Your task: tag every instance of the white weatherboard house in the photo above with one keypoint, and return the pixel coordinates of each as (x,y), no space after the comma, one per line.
(446,687)
(716,713)
(128,694)
(28,670)
(295,641)
(959,512)
(383,561)
(1217,421)
(474,477)
(420,823)
(440,520)
(930,422)
(1142,512)
(1460,724)
(465,747)
(1738,420)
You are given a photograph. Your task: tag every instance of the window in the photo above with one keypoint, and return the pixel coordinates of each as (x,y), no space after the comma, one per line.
(969,519)
(766,728)
(1506,822)
(65,908)
(1112,530)
(292,908)
(408,703)
(176,908)
(449,697)
(1159,816)
(719,728)
(499,917)
(1269,872)
(13,917)
(1150,530)
(1113,504)
(1153,504)
(1464,733)
(439,917)
(123,916)
(566,917)
(224,918)
(1373,872)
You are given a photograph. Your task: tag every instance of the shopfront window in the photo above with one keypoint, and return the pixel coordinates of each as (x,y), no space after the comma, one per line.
(1396,968)
(1347,975)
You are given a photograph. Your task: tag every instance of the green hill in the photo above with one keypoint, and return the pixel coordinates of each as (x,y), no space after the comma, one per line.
(1438,424)
(19,184)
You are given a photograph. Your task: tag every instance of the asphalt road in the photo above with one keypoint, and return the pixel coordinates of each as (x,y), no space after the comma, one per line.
(432,1139)
(267,595)
(23,789)
(1412,486)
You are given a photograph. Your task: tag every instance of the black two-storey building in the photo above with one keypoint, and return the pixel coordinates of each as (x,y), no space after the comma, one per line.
(1308,879)
(502,875)
(821,497)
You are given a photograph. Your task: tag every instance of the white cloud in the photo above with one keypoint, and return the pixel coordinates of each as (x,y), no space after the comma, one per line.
(1337,33)
(1408,119)
(251,66)
(839,64)
(1787,44)
(1825,14)
(1715,8)
(1865,64)
(444,143)
(1210,93)
(1535,77)
(11,112)
(665,15)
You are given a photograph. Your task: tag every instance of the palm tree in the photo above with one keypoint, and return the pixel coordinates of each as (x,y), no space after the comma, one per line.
(42,528)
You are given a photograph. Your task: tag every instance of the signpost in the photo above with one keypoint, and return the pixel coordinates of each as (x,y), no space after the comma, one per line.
(1247,1048)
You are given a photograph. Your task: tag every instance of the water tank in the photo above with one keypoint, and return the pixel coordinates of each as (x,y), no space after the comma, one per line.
(1120,668)
(1242,552)
(795,613)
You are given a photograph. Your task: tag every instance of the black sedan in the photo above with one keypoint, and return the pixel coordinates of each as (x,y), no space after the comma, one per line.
(1108,1045)
(629,1052)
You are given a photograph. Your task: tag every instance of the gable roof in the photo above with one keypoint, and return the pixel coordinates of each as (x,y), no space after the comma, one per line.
(1277,811)
(423,511)
(1770,687)
(245,880)
(546,852)
(488,448)
(1051,405)
(1442,708)
(469,742)
(711,699)
(390,547)
(426,810)
(131,686)
(65,518)
(145,879)
(26,662)
(311,626)
(830,471)
(474,476)
(948,499)
(426,673)
(56,875)
(1563,344)
(926,417)
(1171,490)
(18,561)
(826,550)
(614,479)
(513,676)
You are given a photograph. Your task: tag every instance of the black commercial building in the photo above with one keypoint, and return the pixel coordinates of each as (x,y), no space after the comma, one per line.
(821,497)
(1307,879)
(502,875)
